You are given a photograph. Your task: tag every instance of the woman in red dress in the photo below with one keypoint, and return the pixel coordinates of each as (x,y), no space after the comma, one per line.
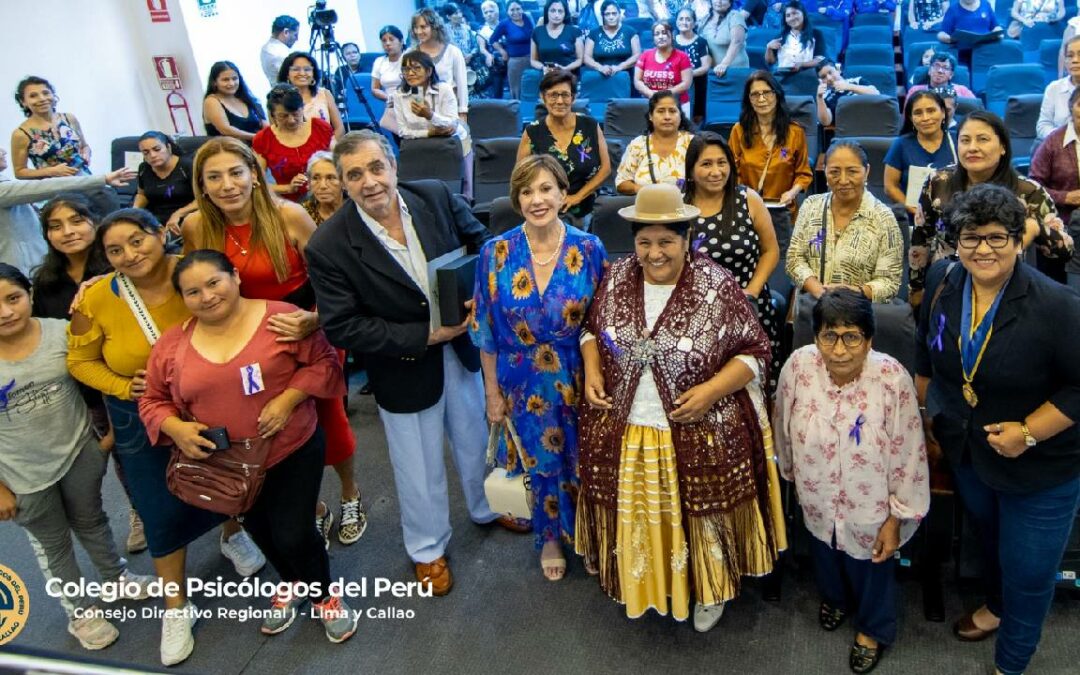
(265,238)
(292,138)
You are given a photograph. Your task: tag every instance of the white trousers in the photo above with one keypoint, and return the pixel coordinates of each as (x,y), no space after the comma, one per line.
(416,442)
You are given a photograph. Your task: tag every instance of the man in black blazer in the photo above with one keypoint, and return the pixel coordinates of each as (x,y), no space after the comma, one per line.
(368,265)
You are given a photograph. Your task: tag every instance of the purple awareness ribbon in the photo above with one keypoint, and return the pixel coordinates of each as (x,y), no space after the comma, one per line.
(169,191)
(253,386)
(582,154)
(783,153)
(698,242)
(610,344)
(818,239)
(938,343)
(856,429)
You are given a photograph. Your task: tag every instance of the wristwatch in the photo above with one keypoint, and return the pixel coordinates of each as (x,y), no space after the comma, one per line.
(1029,440)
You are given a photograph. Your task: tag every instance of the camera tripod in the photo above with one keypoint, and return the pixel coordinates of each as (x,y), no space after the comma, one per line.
(326,51)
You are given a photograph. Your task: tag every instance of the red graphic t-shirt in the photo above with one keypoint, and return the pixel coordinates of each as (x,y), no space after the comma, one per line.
(659,75)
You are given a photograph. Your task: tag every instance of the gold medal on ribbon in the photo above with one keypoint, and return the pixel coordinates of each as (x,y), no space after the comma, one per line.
(969,395)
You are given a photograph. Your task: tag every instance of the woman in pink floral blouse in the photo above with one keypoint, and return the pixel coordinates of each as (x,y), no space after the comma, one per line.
(849,434)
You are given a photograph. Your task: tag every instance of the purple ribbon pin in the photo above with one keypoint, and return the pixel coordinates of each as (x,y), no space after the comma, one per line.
(253,386)
(856,429)
(783,153)
(818,240)
(938,343)
(582,154)
(940,225)
(169,191)
(610,344)
(698,242)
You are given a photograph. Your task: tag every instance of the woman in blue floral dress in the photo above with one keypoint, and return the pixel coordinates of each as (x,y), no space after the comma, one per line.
(533,288)
(575,140)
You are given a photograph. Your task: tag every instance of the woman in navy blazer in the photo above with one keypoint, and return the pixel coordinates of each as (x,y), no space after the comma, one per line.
(996,363)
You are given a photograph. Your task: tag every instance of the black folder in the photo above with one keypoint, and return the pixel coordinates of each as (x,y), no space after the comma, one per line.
(456,280)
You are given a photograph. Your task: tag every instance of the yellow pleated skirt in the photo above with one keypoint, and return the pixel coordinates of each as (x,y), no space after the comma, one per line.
(659,553)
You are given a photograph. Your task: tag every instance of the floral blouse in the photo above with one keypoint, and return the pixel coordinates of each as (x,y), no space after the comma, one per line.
(930,240)
(856,453)
(644,168)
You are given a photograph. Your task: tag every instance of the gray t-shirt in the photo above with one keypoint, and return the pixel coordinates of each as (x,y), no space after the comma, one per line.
(43,419)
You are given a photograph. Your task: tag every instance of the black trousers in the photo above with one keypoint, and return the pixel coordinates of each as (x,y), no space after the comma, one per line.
(282,520)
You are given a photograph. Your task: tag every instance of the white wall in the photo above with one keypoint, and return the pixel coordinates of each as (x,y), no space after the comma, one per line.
(241,27)
(379,13)
(92,68)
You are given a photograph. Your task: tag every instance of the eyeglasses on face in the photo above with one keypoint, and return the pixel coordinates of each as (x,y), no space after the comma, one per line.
(301,69)
(762,95)
(851,339)
(942,67)
(995,240)
(559,95)
(412,68)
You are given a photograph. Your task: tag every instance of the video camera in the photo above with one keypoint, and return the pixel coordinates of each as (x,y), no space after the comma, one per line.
(319,17)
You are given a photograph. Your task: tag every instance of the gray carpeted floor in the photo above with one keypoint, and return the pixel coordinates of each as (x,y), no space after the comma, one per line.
(502,616)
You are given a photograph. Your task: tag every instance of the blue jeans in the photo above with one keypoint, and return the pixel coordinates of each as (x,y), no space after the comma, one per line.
(1023,537)
(169,523)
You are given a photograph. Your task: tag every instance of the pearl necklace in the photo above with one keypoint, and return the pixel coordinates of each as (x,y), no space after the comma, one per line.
(551,258)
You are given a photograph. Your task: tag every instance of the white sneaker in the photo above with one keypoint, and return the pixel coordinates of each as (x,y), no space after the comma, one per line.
(93,632)
(244,554)
(707,616)
(176,638)
(141,581)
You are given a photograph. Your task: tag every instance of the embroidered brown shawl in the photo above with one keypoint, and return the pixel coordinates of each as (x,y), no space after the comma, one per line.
(707,322)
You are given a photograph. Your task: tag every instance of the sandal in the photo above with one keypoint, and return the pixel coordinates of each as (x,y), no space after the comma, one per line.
(863,659)
(829,617)
(554,567)
(592,568)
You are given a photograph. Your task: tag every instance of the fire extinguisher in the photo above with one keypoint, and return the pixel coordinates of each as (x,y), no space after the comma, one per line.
(180,114)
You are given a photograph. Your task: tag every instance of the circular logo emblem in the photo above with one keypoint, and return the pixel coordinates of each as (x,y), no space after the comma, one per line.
(14,604)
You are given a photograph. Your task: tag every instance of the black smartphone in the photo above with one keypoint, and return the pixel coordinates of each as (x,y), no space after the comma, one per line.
(219,436)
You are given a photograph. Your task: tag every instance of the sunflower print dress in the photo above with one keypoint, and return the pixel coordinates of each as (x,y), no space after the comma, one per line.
(539,367)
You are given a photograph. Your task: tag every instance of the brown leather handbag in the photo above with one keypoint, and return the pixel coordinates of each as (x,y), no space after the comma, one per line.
(228,481)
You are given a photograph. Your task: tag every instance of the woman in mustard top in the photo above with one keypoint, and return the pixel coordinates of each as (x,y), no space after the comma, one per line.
(771,153)
(108,349)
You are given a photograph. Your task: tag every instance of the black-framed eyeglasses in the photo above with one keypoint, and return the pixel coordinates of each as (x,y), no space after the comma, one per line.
(559,95)
(995,240)
(412,68)
(851,339)
(762,95)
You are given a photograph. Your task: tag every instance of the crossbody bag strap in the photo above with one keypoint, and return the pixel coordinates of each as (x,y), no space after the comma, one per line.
(135,302)
(940,287)
(765,170)
(824,238)
(648,156)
